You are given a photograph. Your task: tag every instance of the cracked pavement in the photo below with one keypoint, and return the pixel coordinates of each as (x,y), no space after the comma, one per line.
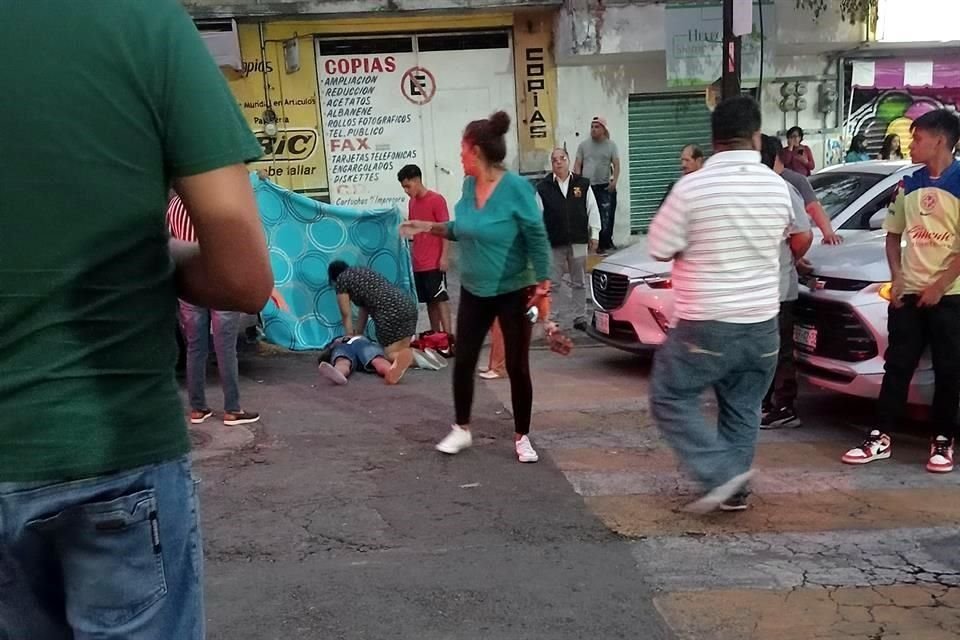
(342,522)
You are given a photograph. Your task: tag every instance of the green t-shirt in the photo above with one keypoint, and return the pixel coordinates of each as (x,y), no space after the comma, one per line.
(503,247)
(110,100)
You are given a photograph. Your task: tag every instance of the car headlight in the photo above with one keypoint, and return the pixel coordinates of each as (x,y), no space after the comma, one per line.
(886,291)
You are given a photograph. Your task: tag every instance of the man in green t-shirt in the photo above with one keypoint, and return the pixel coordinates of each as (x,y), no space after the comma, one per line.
(98,515)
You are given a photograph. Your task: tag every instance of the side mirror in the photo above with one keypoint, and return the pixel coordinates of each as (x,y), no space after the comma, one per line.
(876,220)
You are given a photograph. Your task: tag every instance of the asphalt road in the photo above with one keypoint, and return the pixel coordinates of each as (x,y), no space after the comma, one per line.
(343,522)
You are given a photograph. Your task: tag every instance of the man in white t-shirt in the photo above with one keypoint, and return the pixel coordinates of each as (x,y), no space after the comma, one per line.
(723,226)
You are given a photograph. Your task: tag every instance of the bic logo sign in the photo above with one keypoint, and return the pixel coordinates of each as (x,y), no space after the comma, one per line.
(289,144)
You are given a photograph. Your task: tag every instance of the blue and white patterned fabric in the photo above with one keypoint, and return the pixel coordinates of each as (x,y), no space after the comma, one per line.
(304,237)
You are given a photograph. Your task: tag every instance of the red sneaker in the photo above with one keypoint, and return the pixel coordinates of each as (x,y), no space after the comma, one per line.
(941,455)
(876,447)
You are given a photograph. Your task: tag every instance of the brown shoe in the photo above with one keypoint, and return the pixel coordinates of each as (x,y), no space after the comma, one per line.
(200,416)
(242,417)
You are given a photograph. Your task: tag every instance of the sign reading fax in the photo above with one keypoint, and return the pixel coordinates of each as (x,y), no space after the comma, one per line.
(694,44)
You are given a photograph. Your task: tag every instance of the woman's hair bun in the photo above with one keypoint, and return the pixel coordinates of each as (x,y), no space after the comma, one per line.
(499,123)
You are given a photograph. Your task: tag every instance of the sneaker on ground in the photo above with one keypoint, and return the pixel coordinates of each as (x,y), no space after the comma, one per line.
(456,441)
(200,416)
(399,367)
(525,450)
(440,361)
(877,446)
(719,495)
(241,417)
(490,374)
(735,503)
(783,418)
(332,374)
(422,361)
(941,455)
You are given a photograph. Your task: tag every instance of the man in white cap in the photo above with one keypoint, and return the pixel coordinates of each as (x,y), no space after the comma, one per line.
(599,162)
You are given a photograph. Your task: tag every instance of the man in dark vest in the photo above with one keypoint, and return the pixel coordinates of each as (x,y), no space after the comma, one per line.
(572,218)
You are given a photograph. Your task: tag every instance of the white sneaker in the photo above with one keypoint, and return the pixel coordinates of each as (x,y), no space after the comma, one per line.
(525,450)
(440,361)
(456,441)
(423,361)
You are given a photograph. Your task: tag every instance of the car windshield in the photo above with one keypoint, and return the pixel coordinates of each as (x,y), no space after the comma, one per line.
(836,190)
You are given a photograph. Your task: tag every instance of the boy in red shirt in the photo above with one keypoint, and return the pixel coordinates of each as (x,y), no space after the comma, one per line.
(430,253)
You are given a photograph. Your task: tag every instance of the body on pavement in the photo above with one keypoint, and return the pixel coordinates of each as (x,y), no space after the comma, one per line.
(723,227)
(923,252)
(393,312)
(504,257)
(346,354)
(99,532)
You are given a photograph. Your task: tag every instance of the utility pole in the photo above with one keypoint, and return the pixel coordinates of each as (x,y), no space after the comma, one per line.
(730,80)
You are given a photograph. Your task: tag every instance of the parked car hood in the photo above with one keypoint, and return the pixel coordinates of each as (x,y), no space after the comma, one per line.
(637,256)
(862,258)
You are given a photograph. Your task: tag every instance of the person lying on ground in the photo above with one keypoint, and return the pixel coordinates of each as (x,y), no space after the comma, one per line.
(346,354)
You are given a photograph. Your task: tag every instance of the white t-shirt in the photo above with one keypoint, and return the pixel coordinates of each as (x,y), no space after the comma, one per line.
(724,227)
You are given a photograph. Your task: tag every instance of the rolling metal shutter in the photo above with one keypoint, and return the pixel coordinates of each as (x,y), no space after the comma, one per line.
(660,125)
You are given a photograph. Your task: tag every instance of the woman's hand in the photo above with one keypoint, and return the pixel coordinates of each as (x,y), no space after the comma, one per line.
(410,228)
(278,300)
(543,289)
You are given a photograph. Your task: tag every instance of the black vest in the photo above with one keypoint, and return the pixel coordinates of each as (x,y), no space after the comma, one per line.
(566,219)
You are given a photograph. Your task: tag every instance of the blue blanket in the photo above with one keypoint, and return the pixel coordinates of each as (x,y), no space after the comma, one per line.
(304,237)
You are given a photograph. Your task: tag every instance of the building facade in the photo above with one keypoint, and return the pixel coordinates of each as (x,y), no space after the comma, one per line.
(342,94)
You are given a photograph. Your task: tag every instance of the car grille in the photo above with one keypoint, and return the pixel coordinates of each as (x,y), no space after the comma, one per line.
(834,284)
(609,289)
(841,334)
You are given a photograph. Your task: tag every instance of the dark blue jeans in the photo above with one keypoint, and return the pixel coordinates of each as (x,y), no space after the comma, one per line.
(607,203)
(738,362)
(105,558)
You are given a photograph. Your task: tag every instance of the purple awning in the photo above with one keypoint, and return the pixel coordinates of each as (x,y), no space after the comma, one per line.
(898,73)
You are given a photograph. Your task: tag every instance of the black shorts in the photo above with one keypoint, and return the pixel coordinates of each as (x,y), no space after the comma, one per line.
(431,286)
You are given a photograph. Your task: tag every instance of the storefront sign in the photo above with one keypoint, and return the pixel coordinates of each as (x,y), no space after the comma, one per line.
(294,157)
(536,86)
(694,44)
(371,131)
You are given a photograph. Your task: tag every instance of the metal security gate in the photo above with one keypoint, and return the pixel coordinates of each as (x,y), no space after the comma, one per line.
(660,125)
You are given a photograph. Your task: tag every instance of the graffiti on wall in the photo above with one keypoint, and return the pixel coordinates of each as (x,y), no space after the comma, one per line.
(890,112)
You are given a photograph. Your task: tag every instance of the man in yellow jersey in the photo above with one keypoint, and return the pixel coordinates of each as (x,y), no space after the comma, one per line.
(923,250)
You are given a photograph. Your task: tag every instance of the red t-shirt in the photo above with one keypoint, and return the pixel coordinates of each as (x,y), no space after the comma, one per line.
(428,248)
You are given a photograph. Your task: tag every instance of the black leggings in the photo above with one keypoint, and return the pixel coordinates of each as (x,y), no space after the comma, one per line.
(474,319)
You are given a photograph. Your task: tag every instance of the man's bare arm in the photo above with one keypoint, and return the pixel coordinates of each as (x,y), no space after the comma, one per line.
(229,268)
(800,243)
(820,218)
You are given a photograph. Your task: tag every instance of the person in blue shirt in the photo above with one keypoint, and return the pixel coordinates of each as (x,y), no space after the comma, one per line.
(504,267)
(858,149)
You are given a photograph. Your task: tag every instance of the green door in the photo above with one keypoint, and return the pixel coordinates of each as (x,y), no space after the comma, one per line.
(660,125)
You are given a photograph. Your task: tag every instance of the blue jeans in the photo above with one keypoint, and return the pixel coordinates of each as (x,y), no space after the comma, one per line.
(110,557)
(360,351)
(607,204)
(738,361)
(195,322)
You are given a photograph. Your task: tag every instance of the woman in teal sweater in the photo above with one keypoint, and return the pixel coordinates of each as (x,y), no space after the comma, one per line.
(504,262)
